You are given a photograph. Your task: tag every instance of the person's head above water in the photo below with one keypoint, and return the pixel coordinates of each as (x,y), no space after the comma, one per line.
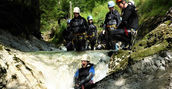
(85,60)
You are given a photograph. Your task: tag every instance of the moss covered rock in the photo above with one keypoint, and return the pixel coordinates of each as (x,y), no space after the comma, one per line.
(157,40)
(160,39)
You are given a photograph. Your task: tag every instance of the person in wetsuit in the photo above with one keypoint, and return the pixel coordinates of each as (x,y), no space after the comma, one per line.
(91,33)
(83,77)
(112,21)
(127,29)
(79,27)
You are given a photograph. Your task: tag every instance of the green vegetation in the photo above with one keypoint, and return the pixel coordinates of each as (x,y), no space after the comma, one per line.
(55,12)
(149,8)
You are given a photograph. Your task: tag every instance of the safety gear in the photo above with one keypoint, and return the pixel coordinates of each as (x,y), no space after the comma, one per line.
(92,29)
(84,76)
(89,17)
(118,1)
(85,57)
(76,10)
(112,18)
(129,17)
(68,21)
(79,25)
(111,4)
(131,2)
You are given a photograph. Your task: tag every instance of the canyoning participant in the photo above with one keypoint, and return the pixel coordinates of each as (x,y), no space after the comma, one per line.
(127,29)
(111,22)
(91,33)
(79,27)
(68,35)
(84,76)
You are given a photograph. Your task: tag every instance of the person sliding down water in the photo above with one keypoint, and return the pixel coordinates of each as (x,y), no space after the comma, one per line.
(91,33)
(83,78)
(79,27)
(111,22)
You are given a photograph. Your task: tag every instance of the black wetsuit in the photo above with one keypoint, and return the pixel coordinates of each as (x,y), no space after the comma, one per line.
(91,35)
(79,27)
(112,21)
(129,21)
(84,76)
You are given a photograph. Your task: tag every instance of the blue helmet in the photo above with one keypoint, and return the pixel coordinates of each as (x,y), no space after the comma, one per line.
(111,4)
(89,17)
(68,21)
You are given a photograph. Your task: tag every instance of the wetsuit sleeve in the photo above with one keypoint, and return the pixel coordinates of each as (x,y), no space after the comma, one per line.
(89,77)
(92,70)
(76,74)
(71,25)
(118,18)
(125,17)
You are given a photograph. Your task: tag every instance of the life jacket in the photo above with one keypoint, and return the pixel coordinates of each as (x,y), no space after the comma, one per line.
(91,30)
(84,72)
(77,25)
(112,18)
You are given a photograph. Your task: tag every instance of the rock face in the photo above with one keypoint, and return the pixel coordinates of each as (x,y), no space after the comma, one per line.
(16,73)
(153,72)
(23,44)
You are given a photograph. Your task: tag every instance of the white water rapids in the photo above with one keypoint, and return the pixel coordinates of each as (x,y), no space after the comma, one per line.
(58,68)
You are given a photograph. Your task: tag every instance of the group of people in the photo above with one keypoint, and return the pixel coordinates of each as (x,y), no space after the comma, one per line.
(117,28)
(81,34)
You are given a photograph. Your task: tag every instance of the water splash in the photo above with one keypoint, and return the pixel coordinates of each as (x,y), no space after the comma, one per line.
(58,68)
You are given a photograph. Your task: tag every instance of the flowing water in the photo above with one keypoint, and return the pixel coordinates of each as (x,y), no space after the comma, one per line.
(58,68)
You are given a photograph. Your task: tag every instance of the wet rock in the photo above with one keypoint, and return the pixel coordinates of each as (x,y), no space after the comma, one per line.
(151,73)
(162,68)
(23,44)
(158,63)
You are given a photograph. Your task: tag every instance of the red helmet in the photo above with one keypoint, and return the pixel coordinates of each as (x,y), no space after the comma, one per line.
(118,1)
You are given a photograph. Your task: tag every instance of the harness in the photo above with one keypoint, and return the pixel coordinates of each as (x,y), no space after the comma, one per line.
(112,18)
(78,25)
(84,72)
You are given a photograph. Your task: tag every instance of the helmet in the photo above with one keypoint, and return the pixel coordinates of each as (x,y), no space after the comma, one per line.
(89,17)
(68,21)
(111,4)
(117,1)
(85,57)
(131,2)
(76,10)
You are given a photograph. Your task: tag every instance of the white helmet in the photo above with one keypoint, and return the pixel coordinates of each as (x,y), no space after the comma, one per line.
(85,57)
(111,4)
(131,2)
(76,10)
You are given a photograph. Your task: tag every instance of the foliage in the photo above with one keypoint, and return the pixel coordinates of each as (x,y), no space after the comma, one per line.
(58,38)
(150,8)
(54,11)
